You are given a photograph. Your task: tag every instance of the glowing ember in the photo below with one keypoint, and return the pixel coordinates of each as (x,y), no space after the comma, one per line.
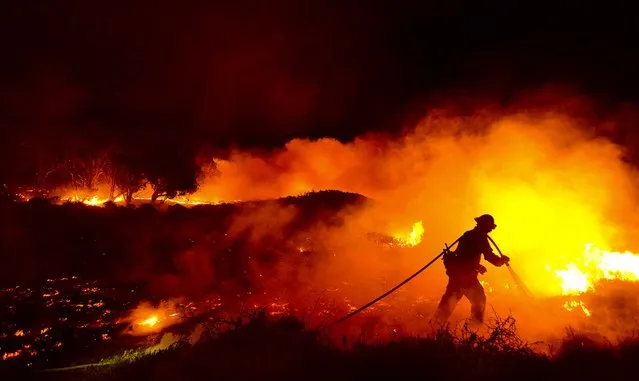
(486,285)
(11,355)
(278,308)
(413,238)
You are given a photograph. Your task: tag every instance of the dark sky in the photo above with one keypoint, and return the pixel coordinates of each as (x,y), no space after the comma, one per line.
(260,73)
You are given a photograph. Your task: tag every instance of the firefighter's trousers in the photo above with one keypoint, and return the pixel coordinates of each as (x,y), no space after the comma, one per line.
(457,287)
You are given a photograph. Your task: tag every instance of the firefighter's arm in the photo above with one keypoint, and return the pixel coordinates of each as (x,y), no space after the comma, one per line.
(493,258)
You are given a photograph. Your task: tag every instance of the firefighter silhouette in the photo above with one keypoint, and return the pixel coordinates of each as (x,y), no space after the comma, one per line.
(462,267)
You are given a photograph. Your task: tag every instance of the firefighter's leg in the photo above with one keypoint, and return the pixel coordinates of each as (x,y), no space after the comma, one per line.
(477,297)
(449,300)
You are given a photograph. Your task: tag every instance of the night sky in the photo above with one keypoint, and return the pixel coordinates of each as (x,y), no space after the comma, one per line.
(185,76)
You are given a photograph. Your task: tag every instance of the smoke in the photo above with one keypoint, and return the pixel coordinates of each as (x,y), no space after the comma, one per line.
(551,182)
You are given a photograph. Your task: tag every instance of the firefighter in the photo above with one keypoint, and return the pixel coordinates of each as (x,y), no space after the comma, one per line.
(462,267)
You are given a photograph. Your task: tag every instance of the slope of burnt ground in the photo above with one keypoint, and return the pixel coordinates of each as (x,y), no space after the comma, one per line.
(41,240)
(70,273)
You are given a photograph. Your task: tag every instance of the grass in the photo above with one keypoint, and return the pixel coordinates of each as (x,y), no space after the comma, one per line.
(282,349)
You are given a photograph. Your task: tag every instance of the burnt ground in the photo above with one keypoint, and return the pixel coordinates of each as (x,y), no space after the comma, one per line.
(71,272)
(40,240)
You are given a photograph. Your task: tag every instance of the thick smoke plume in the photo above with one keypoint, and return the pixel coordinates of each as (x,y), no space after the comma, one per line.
(552,184)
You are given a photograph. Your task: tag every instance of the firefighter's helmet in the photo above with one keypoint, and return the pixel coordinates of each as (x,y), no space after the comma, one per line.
(486,220)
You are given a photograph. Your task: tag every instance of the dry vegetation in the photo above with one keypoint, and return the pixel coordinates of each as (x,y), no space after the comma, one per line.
(283,349)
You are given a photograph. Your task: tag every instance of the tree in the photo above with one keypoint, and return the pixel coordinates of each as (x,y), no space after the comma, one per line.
(176,182)
(126,182)
(172,175)
(87,169)
(127,176)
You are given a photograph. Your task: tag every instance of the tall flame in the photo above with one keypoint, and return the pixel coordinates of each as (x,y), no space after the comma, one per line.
(413,238)
(597,265)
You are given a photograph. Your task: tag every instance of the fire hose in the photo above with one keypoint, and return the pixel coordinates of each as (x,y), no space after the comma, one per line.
(514,275)
(365,306)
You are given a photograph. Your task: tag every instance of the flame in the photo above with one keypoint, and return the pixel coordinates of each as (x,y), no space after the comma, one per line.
(597,265)
(615,265)
(150,321)
(413,238)
(571,305)
(573,280)
(98,200)
(93,200)
(146,319)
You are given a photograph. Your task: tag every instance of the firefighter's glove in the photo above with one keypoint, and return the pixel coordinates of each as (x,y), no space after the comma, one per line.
(505,260)
(481,269)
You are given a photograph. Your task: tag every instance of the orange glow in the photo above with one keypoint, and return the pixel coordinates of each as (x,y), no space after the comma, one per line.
(562,198)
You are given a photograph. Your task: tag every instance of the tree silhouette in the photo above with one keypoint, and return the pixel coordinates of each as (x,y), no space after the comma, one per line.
(172,172)
(127,176)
